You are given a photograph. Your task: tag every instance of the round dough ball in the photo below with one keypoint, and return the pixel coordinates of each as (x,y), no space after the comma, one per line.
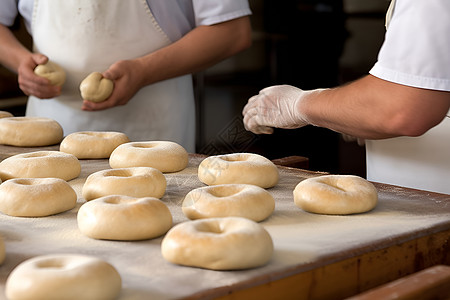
(229,200)
(30,131)
(2,251)
(162,155)
(52,71)
(230,243)
(92,144)
(36,197)
(336,195)
(40,164)
(63,276)
(5,114)
(124,218)
(246,168)
(134,182)
(96,88)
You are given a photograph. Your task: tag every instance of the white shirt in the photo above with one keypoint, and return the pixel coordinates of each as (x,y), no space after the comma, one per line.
(416,52)
(176,18)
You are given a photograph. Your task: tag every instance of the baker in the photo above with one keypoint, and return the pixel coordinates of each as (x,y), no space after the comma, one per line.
(401,108)
(147,48)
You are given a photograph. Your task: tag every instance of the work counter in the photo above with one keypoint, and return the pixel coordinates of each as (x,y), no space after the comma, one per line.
(315,256)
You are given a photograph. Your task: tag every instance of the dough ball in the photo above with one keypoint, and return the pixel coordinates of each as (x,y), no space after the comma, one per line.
(162,155)
(30,131)
(5,114)
(92,144)
(229,200)
(63,276)
(246,168)
(135,182)
(336,195)
(230,243)
(2,250)
(96,88)
(124,218)
(36,197)
(52,71)
(40,164)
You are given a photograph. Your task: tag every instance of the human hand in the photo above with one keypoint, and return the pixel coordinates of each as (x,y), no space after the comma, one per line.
(32,84)
(127,82)
(275,106)
(349,139)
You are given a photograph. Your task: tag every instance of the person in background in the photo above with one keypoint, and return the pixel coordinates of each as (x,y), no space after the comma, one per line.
(400,109)
(148,48)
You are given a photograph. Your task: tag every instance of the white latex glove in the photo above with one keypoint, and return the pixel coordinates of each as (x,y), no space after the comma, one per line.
(275,106)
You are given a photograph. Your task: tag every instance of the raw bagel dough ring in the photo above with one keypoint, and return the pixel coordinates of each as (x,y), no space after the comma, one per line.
(124,218)
(92,144)
(36,197)
(134,182)
(229,200)
(162,155)
(40,164)
(5,114)
(52,71)
(247,168)
(96,88)
(30,131)
(230,243)
(336,195)
(63,276)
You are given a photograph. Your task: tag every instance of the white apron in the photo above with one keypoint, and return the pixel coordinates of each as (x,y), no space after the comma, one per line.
(89,35)
(415,162)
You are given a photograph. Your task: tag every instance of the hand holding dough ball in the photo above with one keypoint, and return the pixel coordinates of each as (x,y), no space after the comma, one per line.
(124,218)
(245,168)
(64,276)
(40,164)
(53,72)
(165,156)
(30,131)
(36,197)
(230,243)
(92,144)
(134,182)
(96,88)
(336,195)
(229,200)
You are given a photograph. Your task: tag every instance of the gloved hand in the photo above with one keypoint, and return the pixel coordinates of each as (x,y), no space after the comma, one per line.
(275,106)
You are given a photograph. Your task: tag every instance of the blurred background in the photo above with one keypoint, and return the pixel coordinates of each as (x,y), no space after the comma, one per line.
(306,43)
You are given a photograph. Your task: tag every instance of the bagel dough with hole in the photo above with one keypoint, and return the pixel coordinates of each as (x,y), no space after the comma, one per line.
(30,131)
(230,243)
(36,197)
(165,156)
(245,168)
(124,218)
(40,164)
(52,71)
(92,144)
(64,276)
(96,88)
(336,195)
(229,200)
(134,182)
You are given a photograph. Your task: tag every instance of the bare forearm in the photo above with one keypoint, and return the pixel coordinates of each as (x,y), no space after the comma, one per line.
(199,49)
(372,108)
(12,52)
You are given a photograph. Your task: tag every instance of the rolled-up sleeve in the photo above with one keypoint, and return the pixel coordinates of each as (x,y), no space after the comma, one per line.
(8,12)
(216,11)
(416,50)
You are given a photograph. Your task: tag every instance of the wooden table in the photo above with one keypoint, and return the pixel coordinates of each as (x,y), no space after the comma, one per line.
(316,256)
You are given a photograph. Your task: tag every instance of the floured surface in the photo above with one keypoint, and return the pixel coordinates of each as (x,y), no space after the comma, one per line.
(302,240)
